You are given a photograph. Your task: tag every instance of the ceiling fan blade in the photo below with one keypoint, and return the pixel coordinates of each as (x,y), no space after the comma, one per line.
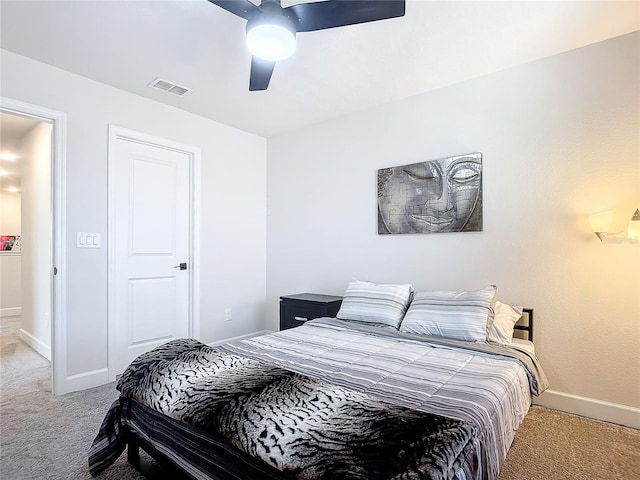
(261,71)
(308,17)
(241,8)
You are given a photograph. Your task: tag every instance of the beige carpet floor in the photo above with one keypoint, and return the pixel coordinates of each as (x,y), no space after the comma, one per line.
(551,445)
(47,437)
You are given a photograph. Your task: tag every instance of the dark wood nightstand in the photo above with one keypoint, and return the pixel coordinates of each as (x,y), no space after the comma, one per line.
(297,309)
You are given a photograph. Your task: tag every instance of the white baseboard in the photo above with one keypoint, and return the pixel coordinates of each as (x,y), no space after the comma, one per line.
(241,337)
(36,344)
(10,312)
(590,407)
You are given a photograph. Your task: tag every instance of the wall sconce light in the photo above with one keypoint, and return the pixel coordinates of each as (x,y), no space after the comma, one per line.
(601,223)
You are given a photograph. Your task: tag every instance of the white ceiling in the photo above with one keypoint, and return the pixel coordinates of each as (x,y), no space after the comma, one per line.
(334,72)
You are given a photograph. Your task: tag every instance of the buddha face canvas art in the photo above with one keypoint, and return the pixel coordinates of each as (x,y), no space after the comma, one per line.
(435,196)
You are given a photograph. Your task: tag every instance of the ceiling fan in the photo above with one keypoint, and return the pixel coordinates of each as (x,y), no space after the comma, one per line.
(271,29)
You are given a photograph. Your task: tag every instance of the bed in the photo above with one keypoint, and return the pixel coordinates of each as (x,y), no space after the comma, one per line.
(342,397)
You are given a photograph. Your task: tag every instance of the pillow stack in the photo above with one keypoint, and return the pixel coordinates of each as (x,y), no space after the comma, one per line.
(473,316)
(381,305)
(458,315)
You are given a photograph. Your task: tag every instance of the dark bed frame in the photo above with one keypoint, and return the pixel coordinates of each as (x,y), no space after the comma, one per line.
(526,323)
(163,470)
(166,469)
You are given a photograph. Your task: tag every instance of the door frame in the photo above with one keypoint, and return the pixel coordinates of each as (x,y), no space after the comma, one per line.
(59,378)
(194,154)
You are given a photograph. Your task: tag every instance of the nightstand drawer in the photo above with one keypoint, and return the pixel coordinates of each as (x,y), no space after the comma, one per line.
(296,313)
(297,309)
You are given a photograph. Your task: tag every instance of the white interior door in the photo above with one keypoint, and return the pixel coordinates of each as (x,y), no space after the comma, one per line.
(150,231)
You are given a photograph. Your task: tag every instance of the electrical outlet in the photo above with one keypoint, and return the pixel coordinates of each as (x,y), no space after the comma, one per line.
(227,315)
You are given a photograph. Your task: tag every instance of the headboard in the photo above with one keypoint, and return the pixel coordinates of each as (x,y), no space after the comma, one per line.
(525,324)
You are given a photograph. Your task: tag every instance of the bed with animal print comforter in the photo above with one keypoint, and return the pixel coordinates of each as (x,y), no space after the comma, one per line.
(321,401)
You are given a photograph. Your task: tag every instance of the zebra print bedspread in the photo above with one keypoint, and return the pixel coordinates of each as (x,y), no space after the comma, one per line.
(305,427)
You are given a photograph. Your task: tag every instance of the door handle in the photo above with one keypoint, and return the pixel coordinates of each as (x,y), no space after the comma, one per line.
(182,266)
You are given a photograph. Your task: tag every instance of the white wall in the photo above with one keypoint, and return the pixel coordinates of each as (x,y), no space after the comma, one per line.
(35,154)
(560,140)
(10,278)
(10,213)
(233,223)
(10,283)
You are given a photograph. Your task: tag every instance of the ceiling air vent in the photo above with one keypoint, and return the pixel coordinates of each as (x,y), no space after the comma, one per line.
(170,87)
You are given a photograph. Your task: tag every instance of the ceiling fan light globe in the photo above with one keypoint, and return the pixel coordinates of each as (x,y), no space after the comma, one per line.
(271,42)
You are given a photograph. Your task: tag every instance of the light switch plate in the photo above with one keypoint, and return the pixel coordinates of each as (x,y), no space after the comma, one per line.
(88,240)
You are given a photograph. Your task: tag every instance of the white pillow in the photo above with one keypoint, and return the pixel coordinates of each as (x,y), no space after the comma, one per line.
(501,330)
(457,315)
(382,305)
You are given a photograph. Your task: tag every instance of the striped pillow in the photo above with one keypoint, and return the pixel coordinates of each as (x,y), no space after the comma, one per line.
(375,304)
(457,315)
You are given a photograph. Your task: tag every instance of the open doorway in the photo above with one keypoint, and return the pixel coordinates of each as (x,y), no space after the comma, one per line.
(56,239)
(26,253)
